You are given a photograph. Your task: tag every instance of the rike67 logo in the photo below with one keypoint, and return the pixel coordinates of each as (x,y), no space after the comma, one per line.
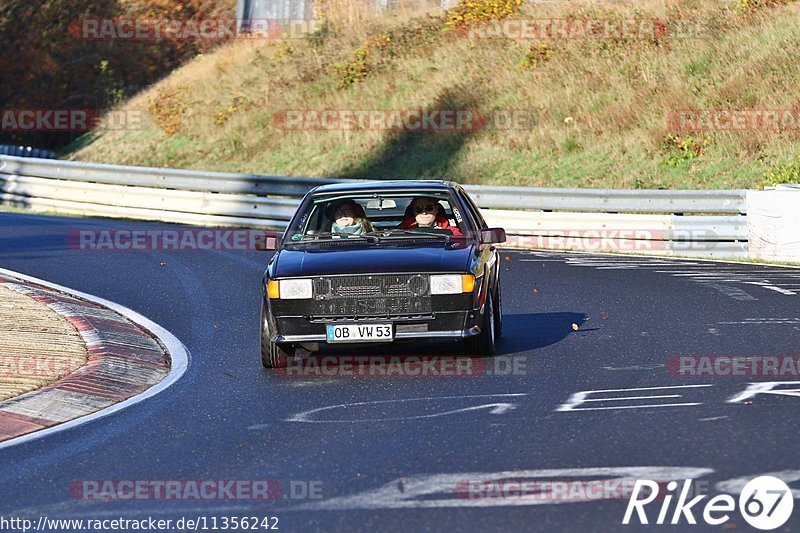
(765,503)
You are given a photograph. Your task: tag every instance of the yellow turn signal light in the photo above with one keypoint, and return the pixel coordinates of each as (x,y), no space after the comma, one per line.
(273,289)
(467,283)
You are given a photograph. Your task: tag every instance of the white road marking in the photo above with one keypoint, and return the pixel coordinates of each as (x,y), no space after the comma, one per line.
(632,398)
(782,291)
(582,397)
(699,275)
(761,321)
(735,486)
(494,408)
(178,354)
(617,267)
(648,406)
(767,285)
(766,387)
(771,277)
(417,492)
(720,263)
(731,292)
(673,272)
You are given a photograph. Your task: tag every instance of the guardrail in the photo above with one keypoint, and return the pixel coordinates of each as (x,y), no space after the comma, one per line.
(184,196)
(611,200)
(704,223)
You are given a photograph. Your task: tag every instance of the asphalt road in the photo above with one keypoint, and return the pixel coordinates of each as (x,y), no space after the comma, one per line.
(389,453)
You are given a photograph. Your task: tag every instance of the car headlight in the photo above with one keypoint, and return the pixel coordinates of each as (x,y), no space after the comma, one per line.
(290,289)
(452,283)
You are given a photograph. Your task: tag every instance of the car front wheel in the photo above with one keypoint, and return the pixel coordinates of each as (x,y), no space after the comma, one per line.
(498,313)
(484,342)
(273,355)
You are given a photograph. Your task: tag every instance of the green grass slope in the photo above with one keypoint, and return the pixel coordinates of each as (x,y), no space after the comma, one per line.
(599,107)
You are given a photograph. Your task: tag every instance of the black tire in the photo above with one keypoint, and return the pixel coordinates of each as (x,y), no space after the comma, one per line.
(483,343)
(273,355)
(498,312)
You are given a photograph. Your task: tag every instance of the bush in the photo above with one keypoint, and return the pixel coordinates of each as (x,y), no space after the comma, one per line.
(320,35)
(378,50)
(167,108)
(786,173)
(238,103)
(414,35)
(352,71)
(537,54)
(469,12)
(749,6)
(681,149)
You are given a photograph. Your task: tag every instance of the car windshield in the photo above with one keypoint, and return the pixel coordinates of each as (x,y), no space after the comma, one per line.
(370,216)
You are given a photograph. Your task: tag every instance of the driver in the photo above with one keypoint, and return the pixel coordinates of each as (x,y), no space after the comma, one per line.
(349,219)
(426,212)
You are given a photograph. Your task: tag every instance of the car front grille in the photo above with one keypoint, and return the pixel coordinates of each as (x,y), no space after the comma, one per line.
(372,294)
(408,317)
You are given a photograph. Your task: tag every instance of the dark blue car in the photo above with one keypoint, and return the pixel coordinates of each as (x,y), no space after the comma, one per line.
(379,262)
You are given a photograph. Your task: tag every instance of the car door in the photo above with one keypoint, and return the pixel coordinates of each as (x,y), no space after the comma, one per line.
(487,255)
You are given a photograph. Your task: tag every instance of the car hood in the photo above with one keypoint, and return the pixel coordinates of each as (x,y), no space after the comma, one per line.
(312,260)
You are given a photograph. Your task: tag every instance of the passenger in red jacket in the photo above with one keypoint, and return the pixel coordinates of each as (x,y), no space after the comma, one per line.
(426,212)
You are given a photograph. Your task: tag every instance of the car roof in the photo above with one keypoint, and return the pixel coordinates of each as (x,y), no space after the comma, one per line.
(386,185)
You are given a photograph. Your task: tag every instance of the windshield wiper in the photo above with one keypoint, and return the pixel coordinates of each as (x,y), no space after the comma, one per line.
(329,237)
(372,238)
(391,231)
(349,237)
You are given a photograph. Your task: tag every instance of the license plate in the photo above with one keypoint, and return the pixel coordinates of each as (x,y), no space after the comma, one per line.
(359,332)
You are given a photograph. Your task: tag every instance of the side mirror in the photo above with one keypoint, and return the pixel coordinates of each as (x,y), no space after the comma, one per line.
(493,236)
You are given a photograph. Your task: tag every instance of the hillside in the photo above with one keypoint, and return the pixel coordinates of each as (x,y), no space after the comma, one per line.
(598,109)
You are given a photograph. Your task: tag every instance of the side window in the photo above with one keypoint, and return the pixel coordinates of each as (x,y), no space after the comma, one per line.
(473,209)
(313,218)
(315,221)
(452,213)
(301,219)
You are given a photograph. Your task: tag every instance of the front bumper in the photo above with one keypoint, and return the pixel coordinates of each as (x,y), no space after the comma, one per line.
(455,316)
(397,336)
(448,325)
(452,317)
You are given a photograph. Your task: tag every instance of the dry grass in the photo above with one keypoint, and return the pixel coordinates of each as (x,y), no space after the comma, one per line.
(599,105)
(362,16)
(38,346)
